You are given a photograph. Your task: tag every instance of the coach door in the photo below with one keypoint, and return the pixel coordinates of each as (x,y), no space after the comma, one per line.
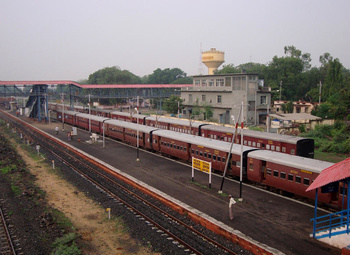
(263,171)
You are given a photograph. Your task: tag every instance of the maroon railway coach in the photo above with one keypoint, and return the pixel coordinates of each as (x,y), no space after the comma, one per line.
(289,173)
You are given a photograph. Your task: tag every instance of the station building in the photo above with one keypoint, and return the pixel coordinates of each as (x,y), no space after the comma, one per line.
(225,94)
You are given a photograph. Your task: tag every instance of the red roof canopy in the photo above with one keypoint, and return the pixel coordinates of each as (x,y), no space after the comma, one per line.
(336,172)
(94,86)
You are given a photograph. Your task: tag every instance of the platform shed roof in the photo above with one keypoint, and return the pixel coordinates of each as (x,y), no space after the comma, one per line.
(336,172)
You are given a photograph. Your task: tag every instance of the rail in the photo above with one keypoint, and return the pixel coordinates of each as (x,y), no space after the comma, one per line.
(331,224)
(10,249)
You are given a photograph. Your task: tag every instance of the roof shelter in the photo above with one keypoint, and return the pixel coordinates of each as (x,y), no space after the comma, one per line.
(40,91)
(334,178)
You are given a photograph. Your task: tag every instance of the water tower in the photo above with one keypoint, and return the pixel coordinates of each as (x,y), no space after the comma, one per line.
(213,59)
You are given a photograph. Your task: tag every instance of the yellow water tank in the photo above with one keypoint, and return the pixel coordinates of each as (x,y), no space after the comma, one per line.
(213,59)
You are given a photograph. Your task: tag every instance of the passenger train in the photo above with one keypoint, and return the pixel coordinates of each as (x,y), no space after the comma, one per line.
(293,145)
(284,172)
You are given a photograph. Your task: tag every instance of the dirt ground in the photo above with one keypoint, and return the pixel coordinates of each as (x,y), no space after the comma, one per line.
(100,234)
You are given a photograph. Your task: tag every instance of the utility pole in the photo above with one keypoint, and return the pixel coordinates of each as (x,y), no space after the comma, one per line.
(280,91)
(319,95)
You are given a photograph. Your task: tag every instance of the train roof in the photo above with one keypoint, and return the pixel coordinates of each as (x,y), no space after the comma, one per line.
(179,122)
(91,117)
(101,110)
(130,125)
(202,141)
(128,114)
(68,112)
(256,134)
(308,164)
(74,106)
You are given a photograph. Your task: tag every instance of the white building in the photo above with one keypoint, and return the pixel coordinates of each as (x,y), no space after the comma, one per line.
(225,93)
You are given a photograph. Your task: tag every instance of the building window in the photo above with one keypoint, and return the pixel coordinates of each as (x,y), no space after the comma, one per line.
(204,83)
(219,82)
(204,98)
(190,98)
(219,99)
(263,100)
(228,82)
(197,83)
(211,83)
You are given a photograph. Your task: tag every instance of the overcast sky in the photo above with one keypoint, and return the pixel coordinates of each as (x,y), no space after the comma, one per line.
(69,40)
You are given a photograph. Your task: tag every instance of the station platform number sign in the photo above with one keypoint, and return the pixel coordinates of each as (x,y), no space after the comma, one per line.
(202,166)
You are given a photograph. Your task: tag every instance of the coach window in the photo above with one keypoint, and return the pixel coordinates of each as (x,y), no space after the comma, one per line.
(168,145)
(292,151)
(290,177)
(258,145)
(185,149)
(272,147)
(268,171)
(214,136)
(181,148)
(161,142)
(196,152)
(306,181)
(205,154)
(214,157)
(192,151)
(267,146)
(200,153)
(178,147)
(278,148)
(229,139)
(245,142)
(284,149)
(275,173)
(225,139)
(238,163)
(249,143)
(209,156)
(254,144)
(219,158)
(283,175)
(223,160)
(297,179)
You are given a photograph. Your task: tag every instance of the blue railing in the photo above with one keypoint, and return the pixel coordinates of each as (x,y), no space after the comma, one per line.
(331,224)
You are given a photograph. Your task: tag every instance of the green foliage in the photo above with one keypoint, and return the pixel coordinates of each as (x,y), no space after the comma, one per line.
(256,129)
(171,104)
(66,245)
(166,76)
(331,138)
(113,75)
(16,190)
(8,169)
(208,111)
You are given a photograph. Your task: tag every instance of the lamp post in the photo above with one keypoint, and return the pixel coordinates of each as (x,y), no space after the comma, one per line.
(137,118)
(62,111)
(89,117)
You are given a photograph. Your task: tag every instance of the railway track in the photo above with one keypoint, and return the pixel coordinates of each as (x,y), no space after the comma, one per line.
(6,244)
(180,235)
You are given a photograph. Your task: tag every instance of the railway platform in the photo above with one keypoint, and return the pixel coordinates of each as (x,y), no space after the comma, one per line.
(277,223)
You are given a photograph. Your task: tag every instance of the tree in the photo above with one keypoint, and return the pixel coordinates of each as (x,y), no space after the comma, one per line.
(173,104)
(165,76)
(208,111)
(113,75)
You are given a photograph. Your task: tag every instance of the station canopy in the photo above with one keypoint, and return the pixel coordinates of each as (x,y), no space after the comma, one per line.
(337,172)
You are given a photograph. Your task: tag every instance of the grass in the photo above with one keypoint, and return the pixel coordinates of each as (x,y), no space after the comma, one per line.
(61,220)
(66,245)
(327,156)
